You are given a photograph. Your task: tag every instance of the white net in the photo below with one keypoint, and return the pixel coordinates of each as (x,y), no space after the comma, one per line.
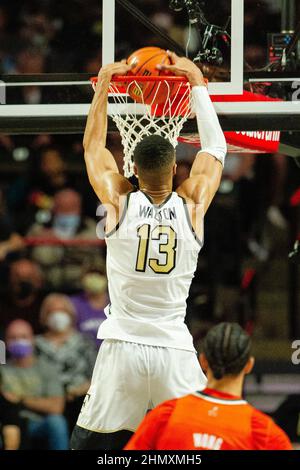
(138,120)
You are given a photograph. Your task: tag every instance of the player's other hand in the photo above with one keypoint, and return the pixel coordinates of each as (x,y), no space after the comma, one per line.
(182,66)
(118,68)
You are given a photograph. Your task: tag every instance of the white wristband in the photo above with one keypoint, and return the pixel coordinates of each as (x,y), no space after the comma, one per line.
(211,135)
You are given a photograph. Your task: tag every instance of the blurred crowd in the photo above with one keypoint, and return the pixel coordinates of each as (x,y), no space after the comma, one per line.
(52,296)
(54,36)
(48,35)
(53,286)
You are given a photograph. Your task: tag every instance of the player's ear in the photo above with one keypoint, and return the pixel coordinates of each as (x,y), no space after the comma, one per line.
(174,169)
(135,171)
(249,366)
(203,362)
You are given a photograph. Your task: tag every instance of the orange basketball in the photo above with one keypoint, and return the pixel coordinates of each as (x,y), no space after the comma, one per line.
(146,60)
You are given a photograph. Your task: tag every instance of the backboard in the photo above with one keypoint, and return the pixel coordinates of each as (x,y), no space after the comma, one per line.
(53,49)
(179,31)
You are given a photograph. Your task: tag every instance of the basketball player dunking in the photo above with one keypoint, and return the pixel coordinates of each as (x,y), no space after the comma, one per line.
(147,355)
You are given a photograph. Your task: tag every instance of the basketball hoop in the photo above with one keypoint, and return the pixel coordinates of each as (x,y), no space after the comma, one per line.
(138,120)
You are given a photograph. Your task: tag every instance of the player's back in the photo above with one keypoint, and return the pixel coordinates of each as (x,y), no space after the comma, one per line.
(208,420)
(151,260)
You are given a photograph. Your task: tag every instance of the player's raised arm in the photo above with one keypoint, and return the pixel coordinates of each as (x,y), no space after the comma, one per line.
(207,168)
(102,169)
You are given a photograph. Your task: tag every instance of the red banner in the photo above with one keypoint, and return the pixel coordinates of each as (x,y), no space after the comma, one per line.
(258,141)
(243,142)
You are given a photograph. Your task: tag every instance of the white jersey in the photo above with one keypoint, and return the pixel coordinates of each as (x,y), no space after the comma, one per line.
(151,260)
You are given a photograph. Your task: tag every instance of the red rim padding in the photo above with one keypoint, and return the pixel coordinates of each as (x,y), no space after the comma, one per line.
(141,78)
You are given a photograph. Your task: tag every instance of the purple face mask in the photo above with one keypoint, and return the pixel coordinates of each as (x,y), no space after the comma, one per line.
(20,348)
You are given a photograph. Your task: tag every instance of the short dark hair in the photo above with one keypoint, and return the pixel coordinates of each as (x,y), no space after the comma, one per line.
(154,153)
(227,349)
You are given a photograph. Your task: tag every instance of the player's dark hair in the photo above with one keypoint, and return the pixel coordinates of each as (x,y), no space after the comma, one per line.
(154,153)
(227,349)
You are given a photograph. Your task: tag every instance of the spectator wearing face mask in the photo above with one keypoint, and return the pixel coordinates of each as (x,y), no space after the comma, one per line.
(90,303)
(35,385)
(62,265)
(24,294)
(72,354)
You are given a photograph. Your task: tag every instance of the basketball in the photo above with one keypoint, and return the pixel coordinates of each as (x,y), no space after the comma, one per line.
(146,60)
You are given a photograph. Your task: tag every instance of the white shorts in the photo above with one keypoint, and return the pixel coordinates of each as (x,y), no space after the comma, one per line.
(129,379)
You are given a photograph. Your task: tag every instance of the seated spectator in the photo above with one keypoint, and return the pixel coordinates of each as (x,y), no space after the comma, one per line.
(49,174)
(10,241)
(30,60)
(63,264)
(32,194)
(72,353)
(35,385)
(9,423)
(90,303)
(31,197)
(216,418)
(23,296)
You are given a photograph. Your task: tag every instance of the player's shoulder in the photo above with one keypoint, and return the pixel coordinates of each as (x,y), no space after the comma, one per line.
(166,408)
(259,419)
(162,413)
(266,433)
(193,188)
(180,406)
(263,423)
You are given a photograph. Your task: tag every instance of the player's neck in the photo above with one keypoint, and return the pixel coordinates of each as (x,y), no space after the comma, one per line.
(229,385)
(157,190)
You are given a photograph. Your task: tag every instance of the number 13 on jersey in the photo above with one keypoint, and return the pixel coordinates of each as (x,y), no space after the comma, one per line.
(167,248)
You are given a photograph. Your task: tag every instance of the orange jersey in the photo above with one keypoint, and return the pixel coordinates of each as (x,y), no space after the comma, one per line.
(208,420)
